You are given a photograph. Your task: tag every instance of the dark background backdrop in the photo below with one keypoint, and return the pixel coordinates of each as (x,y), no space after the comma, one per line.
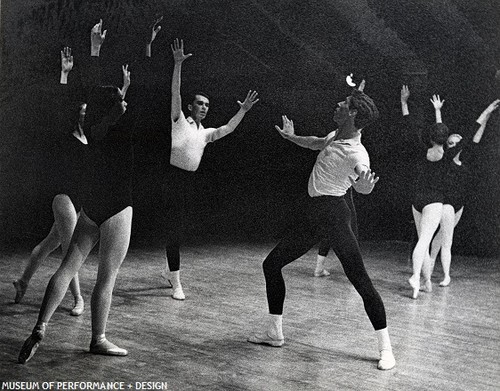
(296,54)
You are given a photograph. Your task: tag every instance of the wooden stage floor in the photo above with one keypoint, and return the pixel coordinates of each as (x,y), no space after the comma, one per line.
(445,340)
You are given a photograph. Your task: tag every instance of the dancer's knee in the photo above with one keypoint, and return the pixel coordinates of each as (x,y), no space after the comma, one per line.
(271,266)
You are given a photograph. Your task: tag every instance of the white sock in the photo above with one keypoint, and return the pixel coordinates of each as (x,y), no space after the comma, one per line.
(276,326)
(384,341)
(320,263)
(175,279)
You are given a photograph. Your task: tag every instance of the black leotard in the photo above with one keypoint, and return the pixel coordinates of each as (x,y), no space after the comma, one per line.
(111,173)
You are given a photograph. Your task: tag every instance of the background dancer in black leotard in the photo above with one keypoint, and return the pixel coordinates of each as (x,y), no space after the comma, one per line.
(68,183)
(459,176)
(106,214)
(427,205)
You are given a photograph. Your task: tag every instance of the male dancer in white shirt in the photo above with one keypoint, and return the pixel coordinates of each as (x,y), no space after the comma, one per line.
(342,162)
(189,139)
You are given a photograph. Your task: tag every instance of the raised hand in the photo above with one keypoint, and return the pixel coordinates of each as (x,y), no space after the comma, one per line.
(178,51)
(66,64)
(288,129)
(361,86)
(485,115)
(97,37)
(405,93)
(365,183)
(66,60)
(249,101)
(493,106)
(126,80)
(437,102)
(155,29)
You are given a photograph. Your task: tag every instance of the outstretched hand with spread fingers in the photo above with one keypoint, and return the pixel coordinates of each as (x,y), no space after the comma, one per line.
(66,64)
(365,183)
(405,93)
(249,101)
(288,129)
(178,51)
(437,102)
(66,60)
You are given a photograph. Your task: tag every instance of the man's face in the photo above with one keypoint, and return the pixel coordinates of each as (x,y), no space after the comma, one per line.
(199,107)
(342,112)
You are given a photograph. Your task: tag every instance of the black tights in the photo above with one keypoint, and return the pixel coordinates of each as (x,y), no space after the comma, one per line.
(324,245)
(322,217)
(177,191)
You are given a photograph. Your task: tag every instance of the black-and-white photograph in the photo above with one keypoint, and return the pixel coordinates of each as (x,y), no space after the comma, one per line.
(277,195)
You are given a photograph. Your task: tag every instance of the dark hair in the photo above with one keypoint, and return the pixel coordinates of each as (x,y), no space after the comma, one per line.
(73,114)
(437,133)
(101,101)
(192,97)
(367,111)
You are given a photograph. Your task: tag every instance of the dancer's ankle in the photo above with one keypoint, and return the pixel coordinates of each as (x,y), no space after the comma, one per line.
(275,329)
(446,281)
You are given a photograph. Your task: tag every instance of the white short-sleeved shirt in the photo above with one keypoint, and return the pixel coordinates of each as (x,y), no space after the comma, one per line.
(335,164)
(189,142)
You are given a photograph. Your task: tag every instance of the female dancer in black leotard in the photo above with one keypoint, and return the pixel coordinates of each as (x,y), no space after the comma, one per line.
(429,197)
(106,215)
(67,190)
(458,176)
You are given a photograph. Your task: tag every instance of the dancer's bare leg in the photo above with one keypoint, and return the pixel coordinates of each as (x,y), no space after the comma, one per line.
(38,255)
(426,226)
(435,248)
(115,239)
(84,238)
(448,222)
(65,217)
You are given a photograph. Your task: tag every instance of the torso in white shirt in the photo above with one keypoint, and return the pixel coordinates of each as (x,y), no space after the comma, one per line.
(334,164)
(188,143)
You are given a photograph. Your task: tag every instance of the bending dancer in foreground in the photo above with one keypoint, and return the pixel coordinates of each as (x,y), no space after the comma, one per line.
(428,202)
(324,213)
(458,176)
(106,216)
(67,200)
(324,245)
(189,139)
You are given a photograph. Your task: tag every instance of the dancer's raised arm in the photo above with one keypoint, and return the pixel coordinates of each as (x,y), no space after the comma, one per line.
(288,133)
(97,37)
(245,106)
(179,57)
(405,94)
(126,80)
(155,29)
(66,64)
(438,104)
(483,120)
